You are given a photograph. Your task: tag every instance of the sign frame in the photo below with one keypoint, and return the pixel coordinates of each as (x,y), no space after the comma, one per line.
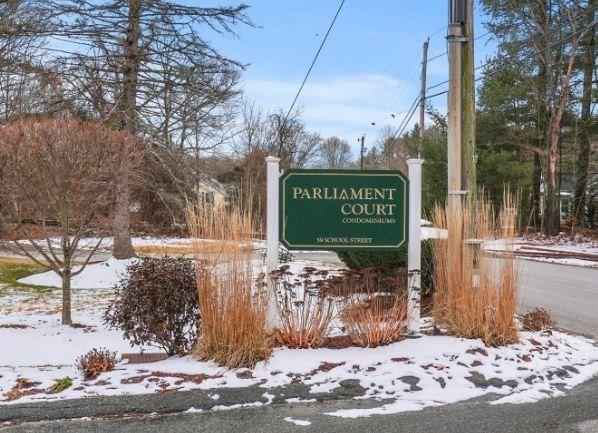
(343,172)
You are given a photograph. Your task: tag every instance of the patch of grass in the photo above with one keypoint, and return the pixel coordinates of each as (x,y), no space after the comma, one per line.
(61,385)
(11,270)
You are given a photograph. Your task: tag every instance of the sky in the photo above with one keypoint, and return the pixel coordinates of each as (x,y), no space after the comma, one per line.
(368,69)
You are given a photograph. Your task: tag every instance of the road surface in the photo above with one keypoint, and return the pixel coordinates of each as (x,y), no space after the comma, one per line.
(569,292)
(575,413)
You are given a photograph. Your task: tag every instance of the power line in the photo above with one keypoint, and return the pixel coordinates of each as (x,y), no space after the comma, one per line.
(314,60)
(411,112)
(437,56)
(530,42)
(407,117)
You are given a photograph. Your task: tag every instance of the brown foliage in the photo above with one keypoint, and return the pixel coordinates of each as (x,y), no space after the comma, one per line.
(372,317)
(61,170)
(377,320)
(156,304)
(95,362)
(61,174)
(350,281)
(537,319)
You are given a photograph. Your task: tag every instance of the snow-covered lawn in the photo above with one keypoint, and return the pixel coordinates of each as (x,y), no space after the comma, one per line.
(408,375)
(103,275)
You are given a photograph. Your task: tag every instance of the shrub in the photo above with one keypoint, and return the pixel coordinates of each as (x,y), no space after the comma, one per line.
(305,315)
(537,319)
(156,304)
(95,362)
(363,281)
(388,263)
(61,385)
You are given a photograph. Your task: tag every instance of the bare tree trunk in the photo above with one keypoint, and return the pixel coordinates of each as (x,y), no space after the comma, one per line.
(552,206)
(122,247)
(583,158)
(66,297)
(536,187)
(556,120)
(541,132)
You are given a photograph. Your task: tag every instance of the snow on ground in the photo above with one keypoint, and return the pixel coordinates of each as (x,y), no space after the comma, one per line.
(300,422)
(408,375)
(561,249)
(103,275)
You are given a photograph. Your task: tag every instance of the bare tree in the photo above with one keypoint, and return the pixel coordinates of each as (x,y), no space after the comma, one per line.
(290,140)
(140,61)
(26,87)
(335,153)
(389,151)
(61,175)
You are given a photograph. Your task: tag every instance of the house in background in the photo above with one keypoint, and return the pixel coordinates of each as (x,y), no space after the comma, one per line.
(212,192)
(565,197)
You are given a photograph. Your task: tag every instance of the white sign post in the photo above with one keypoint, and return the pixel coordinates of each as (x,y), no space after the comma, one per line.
(414,249)
(272,197)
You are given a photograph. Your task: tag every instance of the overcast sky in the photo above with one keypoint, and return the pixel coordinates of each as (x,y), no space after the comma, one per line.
(368,69)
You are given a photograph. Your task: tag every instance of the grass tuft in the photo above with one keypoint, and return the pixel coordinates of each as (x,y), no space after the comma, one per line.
(61,385)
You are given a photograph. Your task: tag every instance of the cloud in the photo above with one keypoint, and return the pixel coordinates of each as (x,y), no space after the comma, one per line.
(343,105)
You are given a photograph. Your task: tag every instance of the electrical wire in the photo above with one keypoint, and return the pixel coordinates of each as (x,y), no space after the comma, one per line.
(314,60)
(531,42)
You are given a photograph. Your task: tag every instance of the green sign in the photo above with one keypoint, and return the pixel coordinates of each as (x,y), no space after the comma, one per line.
(343,210)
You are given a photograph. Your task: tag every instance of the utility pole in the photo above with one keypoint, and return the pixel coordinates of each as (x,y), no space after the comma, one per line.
(361,152)
(468,105)
(422,98)
(461,102)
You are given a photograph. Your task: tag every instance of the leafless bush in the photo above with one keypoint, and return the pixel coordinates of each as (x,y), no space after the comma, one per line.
(537,319)
(305,315)
(96,362)
(347,281)
(375,319)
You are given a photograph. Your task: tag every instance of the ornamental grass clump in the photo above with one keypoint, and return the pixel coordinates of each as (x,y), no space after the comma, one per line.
(476,295)
(372,318)
(233,308)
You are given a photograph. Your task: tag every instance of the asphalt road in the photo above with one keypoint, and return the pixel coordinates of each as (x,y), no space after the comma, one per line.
(575,413)
(569,292)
